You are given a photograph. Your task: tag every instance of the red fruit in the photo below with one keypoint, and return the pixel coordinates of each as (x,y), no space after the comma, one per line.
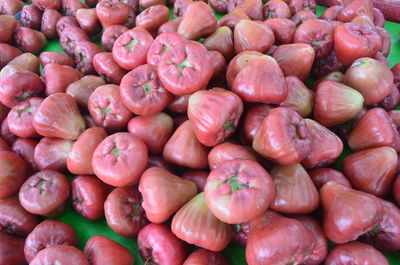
(102,250)
(253,8)
(111,34)
(374,129)
(111,12)
(21,115)
(105,65)
(79,159)
(25,148)
(195,224)
(61,254)
(49,23)
(152,18)
(331,13)
(356,253)
(283,28)
(6,134)
(320,176)
(283,137)
(84,54)
(65,22)
(51,153)
(221,40)
(276,9)
(55,58)
(12,248)
(198,21)
(130,49)
(29,40)
(58,116)
(299,5)
(153,130)
(329,65)
(158,161)
(299,97)
(58,77)
(179,104)
(303,15)
(227,151)
(170,26)
(356,8)
(14,172)
(31,17)
(28,61)
(88,21)
(348,213)
(184,149)
(199,177)
(160,45)
(252,36)
(252,121)
(124,212)
(82,89)
(70,7)
(232,18)
(222,7)
(180,7)
(8,24)
(205,257)
(238,63)
(70,37)
(220,66)
(164,193)
(295,59)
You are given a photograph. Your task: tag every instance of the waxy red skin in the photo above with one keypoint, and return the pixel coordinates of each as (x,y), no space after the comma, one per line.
(14,172)
(130,49)
(28,61)
(8,24)
(355,253)
(396,190)
(322,136)
(106,108)
(238,63)
(64,22)
(299,97)
(372,170)
(348,213)
(82,89)
(29,40)
(276,9)
(179,104)
(185,68)
(100,250)
(111,34)
(303,15)
(120,159)
(320,176)
(51,153)
(326,66)
(142,91)
(205,257)
(21,115)
(211,129)
(88,195)
(220,66)
(386,40)
(232,18)
(48,233)
(295,192)
(59,116)
(61,254)
(153,130)
(318,33)
(12,249)
(48,203)
(279,240)
(221,6)
(152,18)
(88,21)
(353,41)
(6,134)
(228,151)
(124,212)
(356,8)
(252,121)
(374,129)
(14,219)
(84,54)
(158,245)
(222,41)
(111,13)
(79,159)
(199,177)
(148,3)
(18,84)
(31,17)
(58,77)
(49,23)
(386,236)
(331,13)
(4,145)
(283,29)
(164,193)
(55,58)
(9,52)
(70,37)
(195,224)
(241,233)
(252,36)
(285,149)
(161,44)
(105,65)
(253,8)
(239,190)
(299,5)
(25,148)
(158,161)
(70,7)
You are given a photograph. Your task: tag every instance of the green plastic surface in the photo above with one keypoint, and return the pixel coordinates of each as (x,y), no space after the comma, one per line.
(235,254)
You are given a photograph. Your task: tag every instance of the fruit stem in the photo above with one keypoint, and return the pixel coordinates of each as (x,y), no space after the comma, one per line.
(24,96)
(116,151)
(235,184)
(377,229)
(165,48)
(106,111)
(132,43)
(147,88)
(182,65)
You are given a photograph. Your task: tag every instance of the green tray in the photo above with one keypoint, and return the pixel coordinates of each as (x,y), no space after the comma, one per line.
(235,254)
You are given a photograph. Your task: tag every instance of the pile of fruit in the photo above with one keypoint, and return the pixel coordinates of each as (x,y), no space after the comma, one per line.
(270,128)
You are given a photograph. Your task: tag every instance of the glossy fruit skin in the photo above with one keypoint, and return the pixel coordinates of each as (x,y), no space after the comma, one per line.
(252,121)
(31,17)
(238,63)
(58,77)
(356,253)
(88,21)
(155,130)
(276,9)
(49,23)
(260,80)
(62,254)
(283,29)
(161,44)
(184,68)
(55,58)
(164,193)
(205,257)
(79,159)
(106,108)
(373,79)
(21,115)
(51,153)
(279,240)
(84,53)
(195,224)
(130,49)
(48,203)
(12,250)
(9,53)
(252,36)
(232,18)
(211,129)
(25,147)
(14,172)
(228,151)
(199,177)
(14,219)
(303,15)
(142,92)
(184,149)
(28,61)
(295,192)
(88,195)
(239,190)
(111,34)
(59,116)
(353,41)
(29,40)
(6,134)
(179,104)
(299,96)
(321,176)
(348,213)
(152,18)
(169,26)
(82,89)
(289,125)
(46,234)
(112,13)
(8,25)
(100,250)
(70,37)
(105,65)
(64,22)
(120,159)
(124,212)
